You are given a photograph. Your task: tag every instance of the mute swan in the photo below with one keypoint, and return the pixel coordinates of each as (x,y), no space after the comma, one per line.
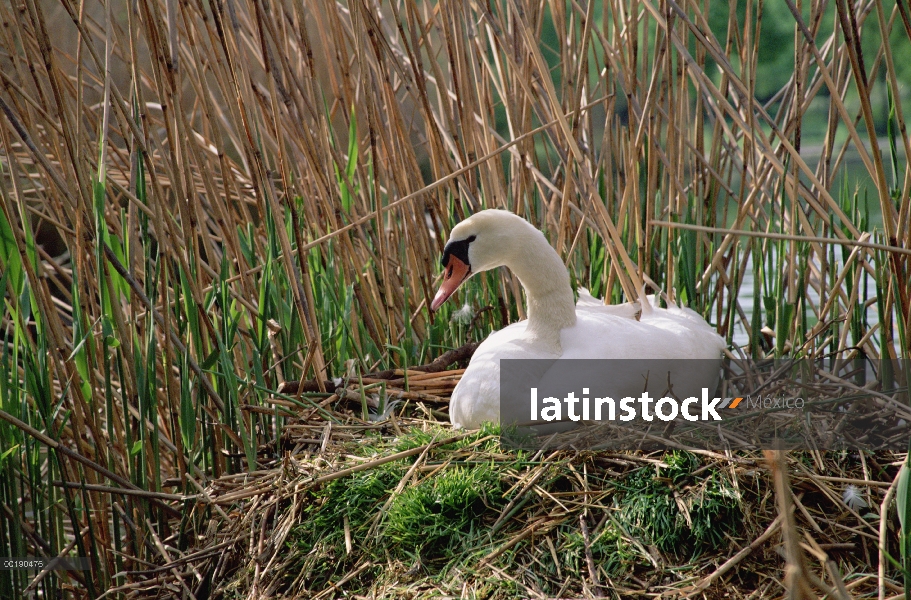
(556,327)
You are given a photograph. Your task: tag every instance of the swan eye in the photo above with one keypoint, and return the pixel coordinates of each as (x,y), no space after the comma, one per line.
(458,249)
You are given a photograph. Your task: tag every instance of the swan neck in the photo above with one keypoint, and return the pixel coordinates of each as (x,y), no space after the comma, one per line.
(551,306)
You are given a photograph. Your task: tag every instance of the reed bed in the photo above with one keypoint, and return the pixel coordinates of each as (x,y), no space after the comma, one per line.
(204,201)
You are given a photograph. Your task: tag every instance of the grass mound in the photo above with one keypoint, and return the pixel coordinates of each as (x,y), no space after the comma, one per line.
(438,519)
(412,510)
(430,518)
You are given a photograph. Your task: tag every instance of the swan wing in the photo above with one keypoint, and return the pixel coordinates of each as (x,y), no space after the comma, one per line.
(587,302)
(476,398)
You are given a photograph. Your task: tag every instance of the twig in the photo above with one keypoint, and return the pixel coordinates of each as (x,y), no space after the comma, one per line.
(589,559)
(732,562)
(883,531)
(515,540)
(335,586)
(781,236)
(440,364)
(795,577)
(382,461)
(92,487)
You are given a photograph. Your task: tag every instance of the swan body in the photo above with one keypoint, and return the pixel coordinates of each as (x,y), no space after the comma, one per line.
(557,326)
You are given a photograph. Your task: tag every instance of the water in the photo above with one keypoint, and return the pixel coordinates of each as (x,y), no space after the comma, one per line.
(867,291)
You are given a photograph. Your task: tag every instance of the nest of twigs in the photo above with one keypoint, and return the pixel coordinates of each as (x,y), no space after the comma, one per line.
(399,505)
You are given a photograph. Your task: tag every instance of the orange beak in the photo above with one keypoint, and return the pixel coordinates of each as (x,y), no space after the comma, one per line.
(456,272)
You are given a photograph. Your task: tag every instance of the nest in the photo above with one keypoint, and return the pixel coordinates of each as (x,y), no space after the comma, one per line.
(399,505)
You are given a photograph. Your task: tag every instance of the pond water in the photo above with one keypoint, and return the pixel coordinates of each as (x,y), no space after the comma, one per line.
(867,291)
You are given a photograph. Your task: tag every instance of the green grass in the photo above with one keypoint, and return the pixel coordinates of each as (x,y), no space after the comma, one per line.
(432,522)
(438,515)
(443,521)
(903,505)
(680,514)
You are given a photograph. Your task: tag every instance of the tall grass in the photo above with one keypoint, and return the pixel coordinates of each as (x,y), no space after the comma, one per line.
(202,200)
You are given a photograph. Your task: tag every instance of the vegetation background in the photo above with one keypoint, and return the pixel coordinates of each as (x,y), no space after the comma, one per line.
(202,200)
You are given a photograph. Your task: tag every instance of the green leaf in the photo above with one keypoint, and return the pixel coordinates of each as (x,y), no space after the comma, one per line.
(783,326)
(137,448)
(10,260)
(902,497)
(210,360)
(346,184)
(6,454)
(352,146)
(108,332)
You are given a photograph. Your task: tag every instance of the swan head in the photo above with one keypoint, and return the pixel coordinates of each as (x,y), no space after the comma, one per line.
(484,241)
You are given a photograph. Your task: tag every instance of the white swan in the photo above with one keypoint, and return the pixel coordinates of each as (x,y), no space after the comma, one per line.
(557,327)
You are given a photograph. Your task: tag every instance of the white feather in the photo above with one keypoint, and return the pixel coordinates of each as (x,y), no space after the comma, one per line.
(853,499)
